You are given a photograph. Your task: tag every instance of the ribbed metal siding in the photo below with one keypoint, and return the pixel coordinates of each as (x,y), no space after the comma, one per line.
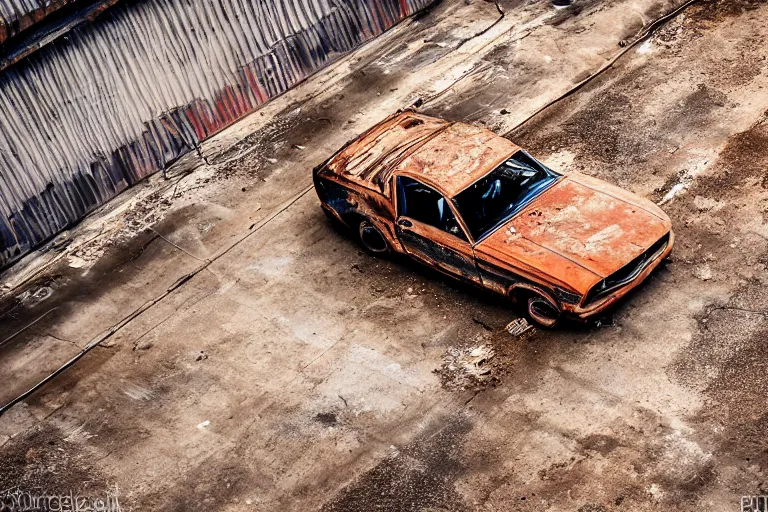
(18,15)
(116,100)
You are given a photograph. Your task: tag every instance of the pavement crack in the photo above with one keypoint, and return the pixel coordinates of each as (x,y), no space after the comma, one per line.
(64,340)
(469,400)
(735,308)
(179,247)
(12,336)
(487,29)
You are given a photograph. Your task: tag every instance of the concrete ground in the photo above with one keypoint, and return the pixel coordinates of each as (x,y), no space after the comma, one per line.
(293,371)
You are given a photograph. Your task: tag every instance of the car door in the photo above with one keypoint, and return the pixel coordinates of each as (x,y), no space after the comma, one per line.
(428,230)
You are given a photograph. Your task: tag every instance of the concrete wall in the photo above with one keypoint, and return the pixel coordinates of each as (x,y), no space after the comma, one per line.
(117,99)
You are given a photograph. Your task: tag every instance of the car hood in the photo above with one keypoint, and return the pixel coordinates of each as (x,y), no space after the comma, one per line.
(577,232)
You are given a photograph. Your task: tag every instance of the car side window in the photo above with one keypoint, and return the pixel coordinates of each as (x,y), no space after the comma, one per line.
(424,204)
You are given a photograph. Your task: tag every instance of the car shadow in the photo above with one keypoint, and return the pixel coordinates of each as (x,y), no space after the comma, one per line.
(484,298)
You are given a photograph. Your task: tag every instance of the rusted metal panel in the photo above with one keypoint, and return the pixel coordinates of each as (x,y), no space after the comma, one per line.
(573,244)
(458,156)
(447,155)
(511,256)
(16,16)
(50,28)
(88,115)
(588,227)
(369,159)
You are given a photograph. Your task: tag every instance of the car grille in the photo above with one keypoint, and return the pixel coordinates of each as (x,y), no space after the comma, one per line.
(628,272)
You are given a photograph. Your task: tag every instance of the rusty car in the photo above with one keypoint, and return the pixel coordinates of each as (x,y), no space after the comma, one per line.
(470,203)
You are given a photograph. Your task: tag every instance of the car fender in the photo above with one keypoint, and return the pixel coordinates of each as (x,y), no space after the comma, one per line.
(516,287)
(352,205)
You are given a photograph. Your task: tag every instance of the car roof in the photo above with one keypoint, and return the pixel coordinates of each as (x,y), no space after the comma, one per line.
(457,157)
(448,156)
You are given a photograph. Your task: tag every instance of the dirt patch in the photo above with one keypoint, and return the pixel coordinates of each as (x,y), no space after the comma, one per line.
(418,477)
(253,157)
(115,266)
(608,126)
(733,337)
(46,460)
(610,130)
(600,443)
(214,484)
(600,127)
(744,159)
(467,367)
(695,110)
(326,418)
(486,355)
(717,10)
(655,468)
(734,186)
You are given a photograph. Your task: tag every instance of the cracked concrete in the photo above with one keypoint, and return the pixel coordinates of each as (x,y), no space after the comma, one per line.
(296,372)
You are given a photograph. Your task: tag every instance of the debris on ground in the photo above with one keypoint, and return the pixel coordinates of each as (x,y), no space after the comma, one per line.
(487,356)
(142,344)
(605,321)
(705,204)
(467,367)
(703,272)
(518,327)
(34,295)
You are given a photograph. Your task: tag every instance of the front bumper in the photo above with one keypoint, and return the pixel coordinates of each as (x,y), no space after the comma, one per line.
(584,312)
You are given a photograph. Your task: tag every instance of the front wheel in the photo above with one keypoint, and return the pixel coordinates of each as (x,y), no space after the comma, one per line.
(372,239)
(542,311)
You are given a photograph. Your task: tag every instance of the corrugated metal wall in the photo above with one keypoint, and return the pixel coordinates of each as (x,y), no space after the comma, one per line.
(115,100)
(18,15)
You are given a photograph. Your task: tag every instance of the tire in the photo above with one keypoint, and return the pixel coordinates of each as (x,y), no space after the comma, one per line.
(332,218)
(328,214)
(542,311)
(372,239)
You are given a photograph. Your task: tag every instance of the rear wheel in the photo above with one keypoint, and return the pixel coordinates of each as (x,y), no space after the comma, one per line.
(328,214)
(372,239)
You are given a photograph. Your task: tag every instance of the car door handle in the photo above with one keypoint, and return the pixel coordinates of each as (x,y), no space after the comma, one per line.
(404,223)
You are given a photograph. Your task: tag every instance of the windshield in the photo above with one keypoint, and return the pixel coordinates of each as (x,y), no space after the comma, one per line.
(496,197)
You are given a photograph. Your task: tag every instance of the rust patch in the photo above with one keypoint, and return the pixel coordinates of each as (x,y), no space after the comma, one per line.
(458,157)
(592,228)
